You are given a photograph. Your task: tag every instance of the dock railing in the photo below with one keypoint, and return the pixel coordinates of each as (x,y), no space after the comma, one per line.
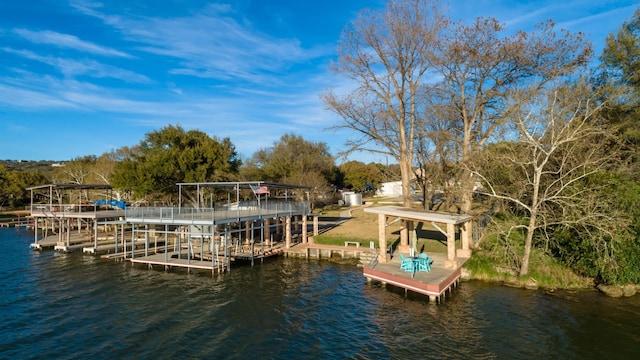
(43,209)
(237,212)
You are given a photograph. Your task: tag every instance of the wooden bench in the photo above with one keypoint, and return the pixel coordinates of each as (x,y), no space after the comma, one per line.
(347,243)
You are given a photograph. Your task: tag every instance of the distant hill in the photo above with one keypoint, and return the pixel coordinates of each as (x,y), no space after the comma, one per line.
(22,165)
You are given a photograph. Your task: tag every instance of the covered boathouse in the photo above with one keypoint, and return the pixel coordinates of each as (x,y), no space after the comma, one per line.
(445,270)
(254,220)
(67,216)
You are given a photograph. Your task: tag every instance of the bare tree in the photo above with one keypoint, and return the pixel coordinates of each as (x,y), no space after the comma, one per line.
(552,158)
(387,55)
(483,71)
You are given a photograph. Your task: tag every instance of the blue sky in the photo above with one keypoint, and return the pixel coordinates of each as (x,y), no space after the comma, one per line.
(84,77)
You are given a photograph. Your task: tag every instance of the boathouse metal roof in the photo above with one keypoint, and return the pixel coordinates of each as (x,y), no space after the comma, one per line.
(233,184)
(71,186)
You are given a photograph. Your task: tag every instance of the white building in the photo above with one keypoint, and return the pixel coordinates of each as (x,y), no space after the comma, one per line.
(393,188)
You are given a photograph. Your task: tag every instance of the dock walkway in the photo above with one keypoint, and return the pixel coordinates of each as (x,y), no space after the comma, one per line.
(319,251)
(434,283)
(169,260)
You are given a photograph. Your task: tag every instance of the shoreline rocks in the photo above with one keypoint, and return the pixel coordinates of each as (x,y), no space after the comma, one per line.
(617,291)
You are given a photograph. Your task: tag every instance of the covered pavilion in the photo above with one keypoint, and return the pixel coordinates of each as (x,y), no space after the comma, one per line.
(409,216)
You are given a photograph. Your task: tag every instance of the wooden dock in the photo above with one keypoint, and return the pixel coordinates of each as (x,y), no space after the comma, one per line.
(319,251)
(76,242)
(258,255)
(170,259)
(434,283)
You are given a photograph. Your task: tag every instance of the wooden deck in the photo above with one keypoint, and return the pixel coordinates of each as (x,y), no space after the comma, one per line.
(434,283)
(258,254)
(169,260)
(319,251)
(76,242)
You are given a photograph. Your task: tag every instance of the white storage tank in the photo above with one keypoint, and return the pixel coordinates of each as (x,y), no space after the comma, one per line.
(352,199)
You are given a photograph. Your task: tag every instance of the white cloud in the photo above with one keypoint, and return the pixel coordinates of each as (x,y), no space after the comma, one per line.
(31,99)
(72,67)
(67,41)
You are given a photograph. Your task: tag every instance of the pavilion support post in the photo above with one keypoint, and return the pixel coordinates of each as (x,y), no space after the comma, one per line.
(382,238)
(404,236)
(315,225)
(465,240)
(451,262)
(287,232)
(304,229)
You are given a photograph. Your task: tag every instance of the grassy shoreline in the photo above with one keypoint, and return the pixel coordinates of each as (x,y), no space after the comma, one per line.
(545,272)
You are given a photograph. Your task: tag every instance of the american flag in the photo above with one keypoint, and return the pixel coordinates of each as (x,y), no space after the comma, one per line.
(259,189)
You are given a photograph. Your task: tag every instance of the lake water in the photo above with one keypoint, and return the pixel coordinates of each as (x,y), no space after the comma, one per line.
(75,306)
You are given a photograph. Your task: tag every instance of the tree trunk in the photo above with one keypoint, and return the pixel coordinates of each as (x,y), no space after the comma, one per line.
(524,268)
(533,213)
(406,171)
(466,183)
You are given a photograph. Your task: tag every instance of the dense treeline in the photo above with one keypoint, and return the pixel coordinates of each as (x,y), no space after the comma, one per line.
(520,131)
(149,171)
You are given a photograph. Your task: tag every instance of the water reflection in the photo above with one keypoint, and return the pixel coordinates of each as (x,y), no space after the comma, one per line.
(79,306)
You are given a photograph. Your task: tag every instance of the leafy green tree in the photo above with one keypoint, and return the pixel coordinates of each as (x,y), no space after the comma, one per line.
(611,257)
(4,184)
(294,160)
(294,157)
(620,88)
(361,177)
(172,155)
(16,182)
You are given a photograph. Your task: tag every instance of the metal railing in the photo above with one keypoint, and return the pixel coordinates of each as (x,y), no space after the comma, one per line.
(238,211)
(67,208)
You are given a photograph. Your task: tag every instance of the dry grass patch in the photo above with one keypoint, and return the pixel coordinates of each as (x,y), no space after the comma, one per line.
(363,227)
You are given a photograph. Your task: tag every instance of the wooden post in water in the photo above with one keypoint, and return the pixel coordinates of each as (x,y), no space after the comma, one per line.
(287,231)
(267,231)
(304,229)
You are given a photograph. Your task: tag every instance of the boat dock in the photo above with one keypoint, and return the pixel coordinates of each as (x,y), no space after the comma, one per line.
(254,227)
(434,284)
(264,220)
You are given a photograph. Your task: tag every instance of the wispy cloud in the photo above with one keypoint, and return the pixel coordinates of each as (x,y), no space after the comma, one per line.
(210,43)
(72,67)
(31,99)
(68,42)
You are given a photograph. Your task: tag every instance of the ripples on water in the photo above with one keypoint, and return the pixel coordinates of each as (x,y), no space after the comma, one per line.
(75,306)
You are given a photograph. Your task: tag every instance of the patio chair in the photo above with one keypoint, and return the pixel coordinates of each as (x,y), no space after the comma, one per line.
(424,262)
(406,264)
